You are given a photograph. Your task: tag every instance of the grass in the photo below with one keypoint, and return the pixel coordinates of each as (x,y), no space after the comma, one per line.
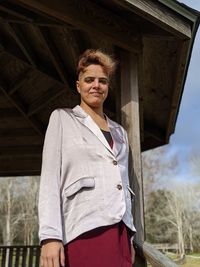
(192,260)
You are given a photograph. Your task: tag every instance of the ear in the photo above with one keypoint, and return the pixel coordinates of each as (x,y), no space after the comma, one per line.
(78,86)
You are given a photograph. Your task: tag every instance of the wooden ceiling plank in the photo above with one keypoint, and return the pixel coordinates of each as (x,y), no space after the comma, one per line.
(38,68)
(17,36)
(34,23)
(17,132)
(21,151)
(73,45)
(18,104)
(20,82)
(43,100)
(159,14)
(90,17)
(20,166)
(9,113)
(52,53)
(13,13)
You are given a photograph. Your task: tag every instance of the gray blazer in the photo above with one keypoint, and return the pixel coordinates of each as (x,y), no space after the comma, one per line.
(84,183)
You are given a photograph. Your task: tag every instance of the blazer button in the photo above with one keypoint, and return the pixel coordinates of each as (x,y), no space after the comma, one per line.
(114,162)
(119,187)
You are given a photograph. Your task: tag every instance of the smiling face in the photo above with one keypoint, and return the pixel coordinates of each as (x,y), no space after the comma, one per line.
(93,86)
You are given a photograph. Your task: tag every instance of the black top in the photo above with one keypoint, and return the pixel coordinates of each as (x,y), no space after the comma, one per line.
(108,137)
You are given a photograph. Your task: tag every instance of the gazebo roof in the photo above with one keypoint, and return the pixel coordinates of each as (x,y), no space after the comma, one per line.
(39,47)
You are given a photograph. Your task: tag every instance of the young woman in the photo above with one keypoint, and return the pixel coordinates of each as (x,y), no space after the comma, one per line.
(85,199)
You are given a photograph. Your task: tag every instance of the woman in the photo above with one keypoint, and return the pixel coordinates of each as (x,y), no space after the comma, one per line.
(85,199)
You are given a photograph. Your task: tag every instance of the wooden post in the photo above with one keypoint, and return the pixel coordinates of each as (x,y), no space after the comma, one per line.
(130,120)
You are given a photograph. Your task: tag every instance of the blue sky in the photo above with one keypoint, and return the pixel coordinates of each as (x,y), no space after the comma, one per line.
(186,139)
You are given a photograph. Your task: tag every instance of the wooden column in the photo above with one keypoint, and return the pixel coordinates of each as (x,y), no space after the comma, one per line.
(130,117)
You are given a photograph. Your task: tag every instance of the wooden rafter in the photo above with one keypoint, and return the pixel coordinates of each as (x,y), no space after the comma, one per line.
(21,151)
(19,166)
(38,68)
(47,97)
(35,23)
(72,45)
(20,82)
(160,15)
(17,132)
(179,83)
(19,105)
(13,13)
(43,35)
(154,132)
(9,113)
(16,35)
(82,13)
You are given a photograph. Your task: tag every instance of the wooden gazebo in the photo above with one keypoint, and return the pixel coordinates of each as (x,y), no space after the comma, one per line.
(39,47)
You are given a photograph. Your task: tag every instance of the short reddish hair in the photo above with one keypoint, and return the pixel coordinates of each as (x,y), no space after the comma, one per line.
(96,57)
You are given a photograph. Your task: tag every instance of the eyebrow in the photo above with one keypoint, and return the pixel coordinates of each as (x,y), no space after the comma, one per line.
(94,77)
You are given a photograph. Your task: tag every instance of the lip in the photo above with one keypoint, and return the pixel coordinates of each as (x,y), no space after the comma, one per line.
(96,93)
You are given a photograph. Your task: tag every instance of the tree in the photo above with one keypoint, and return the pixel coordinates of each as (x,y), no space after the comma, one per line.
(18,207)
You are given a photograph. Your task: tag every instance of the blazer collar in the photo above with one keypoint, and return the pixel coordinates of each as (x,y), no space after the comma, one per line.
(115,130)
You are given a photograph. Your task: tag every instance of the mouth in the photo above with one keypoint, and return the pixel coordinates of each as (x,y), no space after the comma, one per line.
(96,93)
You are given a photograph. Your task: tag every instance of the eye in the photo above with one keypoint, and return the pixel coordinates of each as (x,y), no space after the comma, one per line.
(103,81)
(89,79)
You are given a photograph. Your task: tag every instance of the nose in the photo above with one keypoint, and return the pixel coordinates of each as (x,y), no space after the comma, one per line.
(96,83)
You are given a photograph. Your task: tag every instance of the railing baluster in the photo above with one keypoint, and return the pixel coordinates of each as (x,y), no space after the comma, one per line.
(37,256)
(24,254)
(31,258)
(17,257)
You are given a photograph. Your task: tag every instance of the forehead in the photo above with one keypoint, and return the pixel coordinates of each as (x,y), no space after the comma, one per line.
(93,71)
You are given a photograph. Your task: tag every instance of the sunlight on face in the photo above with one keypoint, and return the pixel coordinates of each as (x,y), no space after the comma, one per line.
(93,86)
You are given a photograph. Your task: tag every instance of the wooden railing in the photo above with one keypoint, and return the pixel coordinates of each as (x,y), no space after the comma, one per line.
(19,256)
(153,256)
(28,256)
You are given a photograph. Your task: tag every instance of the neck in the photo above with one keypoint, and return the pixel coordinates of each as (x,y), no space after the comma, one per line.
(93,112)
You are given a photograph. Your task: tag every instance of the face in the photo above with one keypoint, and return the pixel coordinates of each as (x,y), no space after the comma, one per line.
(93,86)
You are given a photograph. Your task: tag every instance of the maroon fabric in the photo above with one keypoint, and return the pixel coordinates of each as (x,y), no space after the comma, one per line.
(107,246)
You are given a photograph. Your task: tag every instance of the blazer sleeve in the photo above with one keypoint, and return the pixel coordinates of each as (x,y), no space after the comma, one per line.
(49,206)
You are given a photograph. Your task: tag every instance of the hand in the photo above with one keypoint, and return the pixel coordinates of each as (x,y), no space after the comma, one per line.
(52,254)
(132,253)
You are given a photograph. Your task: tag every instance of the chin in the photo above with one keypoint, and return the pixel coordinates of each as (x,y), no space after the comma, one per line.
(96,104)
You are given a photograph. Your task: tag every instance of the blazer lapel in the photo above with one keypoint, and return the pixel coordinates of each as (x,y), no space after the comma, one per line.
(85,119)
(117,135)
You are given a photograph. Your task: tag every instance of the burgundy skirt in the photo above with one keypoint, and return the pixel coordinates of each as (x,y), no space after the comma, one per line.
(107,246)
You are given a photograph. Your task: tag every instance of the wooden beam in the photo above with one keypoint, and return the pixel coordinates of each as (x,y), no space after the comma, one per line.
(17,132)
(39,68)
(72,44)
(21,151)
(47,42)
(153,130)
(179,84)
(47,97)
(21,108)
(90,17)
(159,14)
(21,81)
(9,113)
(35,23)
(23,140)
(13,13)
(20,166)
(18,38)
(130,120)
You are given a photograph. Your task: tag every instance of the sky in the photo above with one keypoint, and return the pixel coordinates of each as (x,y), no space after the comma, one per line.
(186,139)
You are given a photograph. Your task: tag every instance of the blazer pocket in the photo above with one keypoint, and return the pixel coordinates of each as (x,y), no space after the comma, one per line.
(84,182)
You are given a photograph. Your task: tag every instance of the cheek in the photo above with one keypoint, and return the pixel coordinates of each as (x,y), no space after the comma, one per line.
(106,91)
